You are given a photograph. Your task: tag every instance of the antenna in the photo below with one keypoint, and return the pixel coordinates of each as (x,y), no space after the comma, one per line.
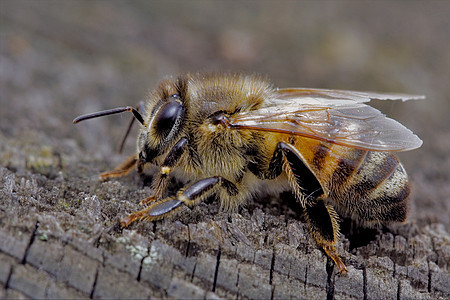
(117,110)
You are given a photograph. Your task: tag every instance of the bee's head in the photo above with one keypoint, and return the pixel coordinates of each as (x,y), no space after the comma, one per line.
(166,112)
(162,122)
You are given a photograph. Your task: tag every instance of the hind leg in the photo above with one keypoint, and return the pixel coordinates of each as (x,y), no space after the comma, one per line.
(323,223)
(322,218)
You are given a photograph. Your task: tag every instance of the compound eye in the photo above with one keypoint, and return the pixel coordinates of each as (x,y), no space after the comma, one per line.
(167,116)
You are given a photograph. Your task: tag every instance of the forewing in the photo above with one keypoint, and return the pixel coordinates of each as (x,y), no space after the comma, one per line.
(338,117)
(356,96)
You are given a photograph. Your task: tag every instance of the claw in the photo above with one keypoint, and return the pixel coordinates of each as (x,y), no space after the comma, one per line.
(331,252)
(133,217)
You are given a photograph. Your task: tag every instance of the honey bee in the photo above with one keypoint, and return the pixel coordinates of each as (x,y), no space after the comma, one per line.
(236,136)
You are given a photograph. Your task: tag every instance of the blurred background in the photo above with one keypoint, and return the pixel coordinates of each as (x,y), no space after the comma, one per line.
(59,59)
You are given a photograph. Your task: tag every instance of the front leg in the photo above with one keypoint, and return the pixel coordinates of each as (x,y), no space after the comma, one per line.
(160,182)
(190,196)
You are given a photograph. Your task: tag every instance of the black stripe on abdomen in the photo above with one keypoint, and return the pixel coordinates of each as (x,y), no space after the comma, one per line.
(346,167)
(320,155)
(373,170)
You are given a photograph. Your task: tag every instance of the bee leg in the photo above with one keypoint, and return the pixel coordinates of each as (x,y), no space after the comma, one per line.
(162,178)
(205,187)
(321,217)
(323,223)
(190,196)
(121,170)
(156,211)
(304,183)
(260,168)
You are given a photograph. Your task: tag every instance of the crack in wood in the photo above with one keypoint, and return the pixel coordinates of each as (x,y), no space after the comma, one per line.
(9,277)
(272,265)
(365,283)
(193,271)
(330,279)
(142,264)
(216,271)
(237,277)
(91,295)
(27,250)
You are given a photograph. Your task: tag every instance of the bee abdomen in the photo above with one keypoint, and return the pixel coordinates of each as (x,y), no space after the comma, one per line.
(371,173)
(391,197)
(376,191)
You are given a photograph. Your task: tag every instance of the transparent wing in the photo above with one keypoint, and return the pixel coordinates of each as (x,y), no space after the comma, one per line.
(356,96)
(335,116)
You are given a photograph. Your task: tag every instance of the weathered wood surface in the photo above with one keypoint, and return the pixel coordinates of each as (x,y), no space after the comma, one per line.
(59,232)
(60,238)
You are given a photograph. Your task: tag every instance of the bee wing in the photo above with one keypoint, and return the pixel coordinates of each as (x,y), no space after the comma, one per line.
(335,116)
(356,96)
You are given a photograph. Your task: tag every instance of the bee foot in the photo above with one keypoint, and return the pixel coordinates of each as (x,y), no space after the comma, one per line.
(112,174)
(331,252)
(133,217)
(156,211)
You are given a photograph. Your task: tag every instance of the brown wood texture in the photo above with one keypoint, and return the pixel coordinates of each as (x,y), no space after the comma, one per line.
(59,225)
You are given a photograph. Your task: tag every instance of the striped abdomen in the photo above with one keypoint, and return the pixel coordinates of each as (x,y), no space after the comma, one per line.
(368,186)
